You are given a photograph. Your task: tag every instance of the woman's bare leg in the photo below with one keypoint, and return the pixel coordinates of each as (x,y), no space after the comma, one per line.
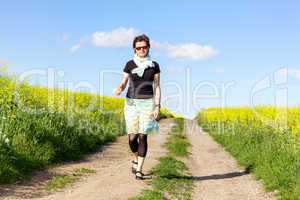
(140,163)
(135,157)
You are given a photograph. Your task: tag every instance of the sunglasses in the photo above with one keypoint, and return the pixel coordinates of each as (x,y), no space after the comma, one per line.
(143,47)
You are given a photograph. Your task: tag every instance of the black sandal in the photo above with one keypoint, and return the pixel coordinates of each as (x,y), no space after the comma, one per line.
(133,169)
(139,177)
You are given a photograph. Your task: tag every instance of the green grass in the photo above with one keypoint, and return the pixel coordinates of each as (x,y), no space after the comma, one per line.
(169,167)
(149,195)
(84,171)
(171,178)
(178,145)
(62,181)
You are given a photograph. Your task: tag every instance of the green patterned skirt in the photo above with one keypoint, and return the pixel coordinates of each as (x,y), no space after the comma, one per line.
(139,116)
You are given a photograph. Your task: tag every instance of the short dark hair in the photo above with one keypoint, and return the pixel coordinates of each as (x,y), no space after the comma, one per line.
(141,38)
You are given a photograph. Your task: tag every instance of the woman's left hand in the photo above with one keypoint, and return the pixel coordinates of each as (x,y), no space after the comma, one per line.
(156,112)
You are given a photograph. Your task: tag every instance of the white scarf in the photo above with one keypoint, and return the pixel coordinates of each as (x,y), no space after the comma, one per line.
(142,64)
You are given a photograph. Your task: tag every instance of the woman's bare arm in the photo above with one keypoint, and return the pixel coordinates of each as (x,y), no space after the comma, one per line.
(157,92)
(123,84)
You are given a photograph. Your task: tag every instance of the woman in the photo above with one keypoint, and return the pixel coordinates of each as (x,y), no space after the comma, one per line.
(142,103)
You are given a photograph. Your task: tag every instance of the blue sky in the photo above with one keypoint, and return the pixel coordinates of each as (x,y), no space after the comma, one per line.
(200,46)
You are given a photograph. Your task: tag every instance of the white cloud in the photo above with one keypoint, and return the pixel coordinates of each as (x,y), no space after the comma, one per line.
(120,37)
(192,51)
(75,47)
(82,41)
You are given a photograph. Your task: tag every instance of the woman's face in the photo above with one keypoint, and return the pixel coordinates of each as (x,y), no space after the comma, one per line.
(141,49)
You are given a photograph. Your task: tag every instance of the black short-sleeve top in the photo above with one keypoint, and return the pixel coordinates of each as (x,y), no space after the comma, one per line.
(140,87)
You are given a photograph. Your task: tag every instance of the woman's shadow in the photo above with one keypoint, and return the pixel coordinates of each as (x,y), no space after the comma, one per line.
(218,176)
(202,178)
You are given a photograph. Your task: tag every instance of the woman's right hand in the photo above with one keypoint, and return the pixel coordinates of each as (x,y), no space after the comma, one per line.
(117,91)
(156,112)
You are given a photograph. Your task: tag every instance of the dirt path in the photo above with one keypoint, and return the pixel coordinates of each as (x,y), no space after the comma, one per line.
(217,175)
(113,178)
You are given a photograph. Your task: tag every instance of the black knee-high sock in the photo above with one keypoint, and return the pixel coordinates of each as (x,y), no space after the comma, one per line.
(133,142)
(143,145)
